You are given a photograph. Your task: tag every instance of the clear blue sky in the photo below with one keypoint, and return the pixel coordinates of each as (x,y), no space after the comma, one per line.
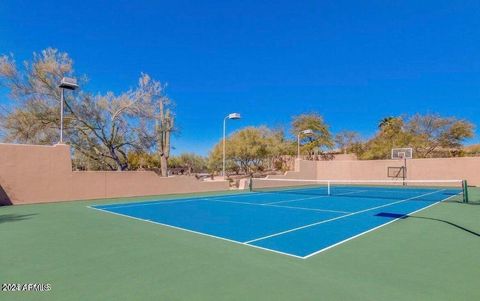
(354,62)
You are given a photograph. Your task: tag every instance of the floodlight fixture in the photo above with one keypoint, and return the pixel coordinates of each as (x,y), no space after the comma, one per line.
(232,116)
(307,132)
(67,83)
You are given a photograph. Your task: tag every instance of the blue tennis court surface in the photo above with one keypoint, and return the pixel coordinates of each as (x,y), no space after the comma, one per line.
(295,222)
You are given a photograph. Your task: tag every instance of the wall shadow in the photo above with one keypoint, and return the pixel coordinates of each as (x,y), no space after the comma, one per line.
(405,216)
(6,218)
(4,198)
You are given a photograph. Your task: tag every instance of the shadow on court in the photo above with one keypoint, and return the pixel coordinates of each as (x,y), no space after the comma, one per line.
(472,201)
(4,198)
(405,216)
(5,218)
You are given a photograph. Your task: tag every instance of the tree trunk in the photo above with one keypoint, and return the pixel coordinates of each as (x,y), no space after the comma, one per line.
(164,128)
(163,166)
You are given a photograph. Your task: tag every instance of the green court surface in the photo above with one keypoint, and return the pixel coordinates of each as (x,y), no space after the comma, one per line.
(89,255)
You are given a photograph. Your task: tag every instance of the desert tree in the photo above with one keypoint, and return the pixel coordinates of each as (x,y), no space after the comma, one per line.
(432,133)
(101,127)
(321,140)
(250,149)
(190,162)
(429,135)
(346,139)
(391,133)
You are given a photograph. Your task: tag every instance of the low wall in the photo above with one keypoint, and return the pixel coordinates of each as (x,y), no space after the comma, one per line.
(464,168)
(417,169)
(38,174)
(344,157)
(303,170)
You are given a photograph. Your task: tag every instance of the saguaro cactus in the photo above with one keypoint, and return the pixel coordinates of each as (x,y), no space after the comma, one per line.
(164,127)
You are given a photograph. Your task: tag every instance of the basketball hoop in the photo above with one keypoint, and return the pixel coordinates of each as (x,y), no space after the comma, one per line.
(401,154)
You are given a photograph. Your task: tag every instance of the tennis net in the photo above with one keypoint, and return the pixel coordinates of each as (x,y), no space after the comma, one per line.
(390,189)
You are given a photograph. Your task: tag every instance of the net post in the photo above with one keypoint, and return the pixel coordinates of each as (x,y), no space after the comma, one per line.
(250,183)
(465,191)
(329,188)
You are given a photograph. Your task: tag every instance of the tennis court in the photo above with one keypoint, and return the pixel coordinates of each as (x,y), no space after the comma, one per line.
(298,218)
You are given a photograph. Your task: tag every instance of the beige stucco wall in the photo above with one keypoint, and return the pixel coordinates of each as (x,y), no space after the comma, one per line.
(417,169)
(466,168)
(303,169)
(355,169)
(343,157)
(36,174)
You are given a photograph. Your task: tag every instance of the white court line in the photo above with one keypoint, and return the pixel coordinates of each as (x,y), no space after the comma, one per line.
(402,190)
(311,209)
(221,199)
(193,199)
(315,197)
(180,200)
(165,202)
(294,200)
(353,181)
(360,234)
(274,251)
(269,205)
(195,232)
(339,217)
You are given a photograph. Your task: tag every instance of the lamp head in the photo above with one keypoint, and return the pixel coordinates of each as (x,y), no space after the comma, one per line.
(234,116)
(307,132)
(68,83)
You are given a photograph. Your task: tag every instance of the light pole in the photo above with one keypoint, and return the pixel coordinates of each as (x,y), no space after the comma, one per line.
(307,132)
(69,84)
(230,116)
